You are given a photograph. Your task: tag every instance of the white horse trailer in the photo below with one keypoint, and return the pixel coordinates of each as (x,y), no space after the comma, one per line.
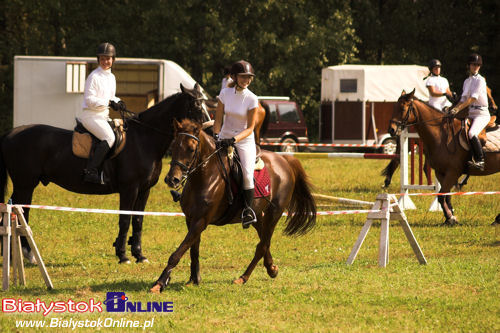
(357,101)
(49,90)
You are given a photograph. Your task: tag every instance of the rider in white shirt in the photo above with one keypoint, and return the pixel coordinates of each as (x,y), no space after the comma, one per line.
(234,125)
(438,86)
(475,97)
(99,95)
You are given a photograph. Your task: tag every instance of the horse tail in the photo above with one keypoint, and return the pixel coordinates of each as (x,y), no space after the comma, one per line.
(302,207)
(3,173)
(265,122)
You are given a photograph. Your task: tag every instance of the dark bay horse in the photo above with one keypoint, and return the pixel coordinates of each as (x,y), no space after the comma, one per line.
(443,151)
(204,200)
(40,153)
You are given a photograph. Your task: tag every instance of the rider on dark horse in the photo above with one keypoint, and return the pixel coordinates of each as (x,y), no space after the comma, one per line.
(475,97)
(99,95)
(234,125)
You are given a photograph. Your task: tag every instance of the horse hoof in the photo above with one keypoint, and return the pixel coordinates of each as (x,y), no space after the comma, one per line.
(156,289)
(273,271)
(142,260)
(239,281)
(191,283)
(29,256)
(450,222)
(125,261)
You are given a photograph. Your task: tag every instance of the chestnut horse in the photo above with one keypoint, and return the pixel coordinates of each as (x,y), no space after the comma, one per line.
(204,200)
(440,135)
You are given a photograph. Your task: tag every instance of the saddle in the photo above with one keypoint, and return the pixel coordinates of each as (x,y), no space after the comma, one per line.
(489,136)
(83,141)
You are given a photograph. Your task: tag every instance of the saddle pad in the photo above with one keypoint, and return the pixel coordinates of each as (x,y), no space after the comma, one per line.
(493,141)
(262,184)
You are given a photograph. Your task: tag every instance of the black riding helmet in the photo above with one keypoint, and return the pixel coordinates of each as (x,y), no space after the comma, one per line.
(433,63)
(106,49)
(242,67)
(475,58)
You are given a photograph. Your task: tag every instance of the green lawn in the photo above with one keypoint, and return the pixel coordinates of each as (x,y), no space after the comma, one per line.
(315,291)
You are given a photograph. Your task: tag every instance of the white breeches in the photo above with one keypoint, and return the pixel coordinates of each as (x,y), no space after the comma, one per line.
(247,152)
(479,118)
(98,126)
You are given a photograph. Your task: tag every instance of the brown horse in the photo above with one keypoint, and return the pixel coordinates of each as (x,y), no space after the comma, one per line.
(204,200)
(440,135)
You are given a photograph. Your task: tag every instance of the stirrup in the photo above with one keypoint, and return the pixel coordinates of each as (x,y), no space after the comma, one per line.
(94,176)
(476,165)
(248,217)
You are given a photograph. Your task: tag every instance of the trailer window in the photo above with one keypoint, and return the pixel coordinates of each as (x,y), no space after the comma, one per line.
(75,77)
(348,85)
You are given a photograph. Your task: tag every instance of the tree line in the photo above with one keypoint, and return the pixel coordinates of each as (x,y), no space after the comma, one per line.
(287,42)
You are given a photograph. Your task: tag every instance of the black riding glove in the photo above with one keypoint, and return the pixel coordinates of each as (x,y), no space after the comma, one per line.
(117,106)
(227,142)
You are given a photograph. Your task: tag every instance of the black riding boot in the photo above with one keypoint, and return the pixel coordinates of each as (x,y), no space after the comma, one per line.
(91,173)
(248,215)
(477,153)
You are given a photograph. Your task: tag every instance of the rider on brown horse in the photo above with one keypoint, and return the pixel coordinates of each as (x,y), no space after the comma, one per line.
(475,97)
(235,120)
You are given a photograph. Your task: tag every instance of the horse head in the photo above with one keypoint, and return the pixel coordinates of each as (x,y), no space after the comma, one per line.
(403,113)
(196,99)
(185,149)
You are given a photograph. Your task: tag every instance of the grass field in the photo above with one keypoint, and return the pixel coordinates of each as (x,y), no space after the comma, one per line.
(315,291)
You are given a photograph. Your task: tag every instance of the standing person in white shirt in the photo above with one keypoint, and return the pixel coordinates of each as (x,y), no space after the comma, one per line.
(438,86)
(99,95)
(475,97)
(234,125)
(227,77)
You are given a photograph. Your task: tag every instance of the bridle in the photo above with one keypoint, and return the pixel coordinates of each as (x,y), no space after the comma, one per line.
(189,169)
(411,110)
(404,121)
(186,168)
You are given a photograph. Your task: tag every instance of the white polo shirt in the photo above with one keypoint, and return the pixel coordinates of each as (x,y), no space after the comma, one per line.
(441,85)
(236,107)
(475,86)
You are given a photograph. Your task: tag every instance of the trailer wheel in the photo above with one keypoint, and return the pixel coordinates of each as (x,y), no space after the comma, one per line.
(389,146)
(289,149)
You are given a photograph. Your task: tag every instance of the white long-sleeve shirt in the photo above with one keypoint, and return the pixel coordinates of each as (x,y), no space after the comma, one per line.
(100,88)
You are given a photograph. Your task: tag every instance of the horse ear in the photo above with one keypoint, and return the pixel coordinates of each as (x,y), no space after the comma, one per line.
(412,93)
(184,90)
(177,125)
(197,87)
(403,93)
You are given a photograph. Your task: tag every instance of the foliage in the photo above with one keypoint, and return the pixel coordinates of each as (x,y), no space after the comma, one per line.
(314,291)
(288,42)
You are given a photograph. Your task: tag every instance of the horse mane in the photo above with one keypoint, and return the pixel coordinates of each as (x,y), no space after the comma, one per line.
(177,112)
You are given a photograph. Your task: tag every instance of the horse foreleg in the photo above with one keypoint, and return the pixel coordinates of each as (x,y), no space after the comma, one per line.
(446,182)
(265,232)
(127,201)
(24,196)
(135,240)
(192,237)
(194,252)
